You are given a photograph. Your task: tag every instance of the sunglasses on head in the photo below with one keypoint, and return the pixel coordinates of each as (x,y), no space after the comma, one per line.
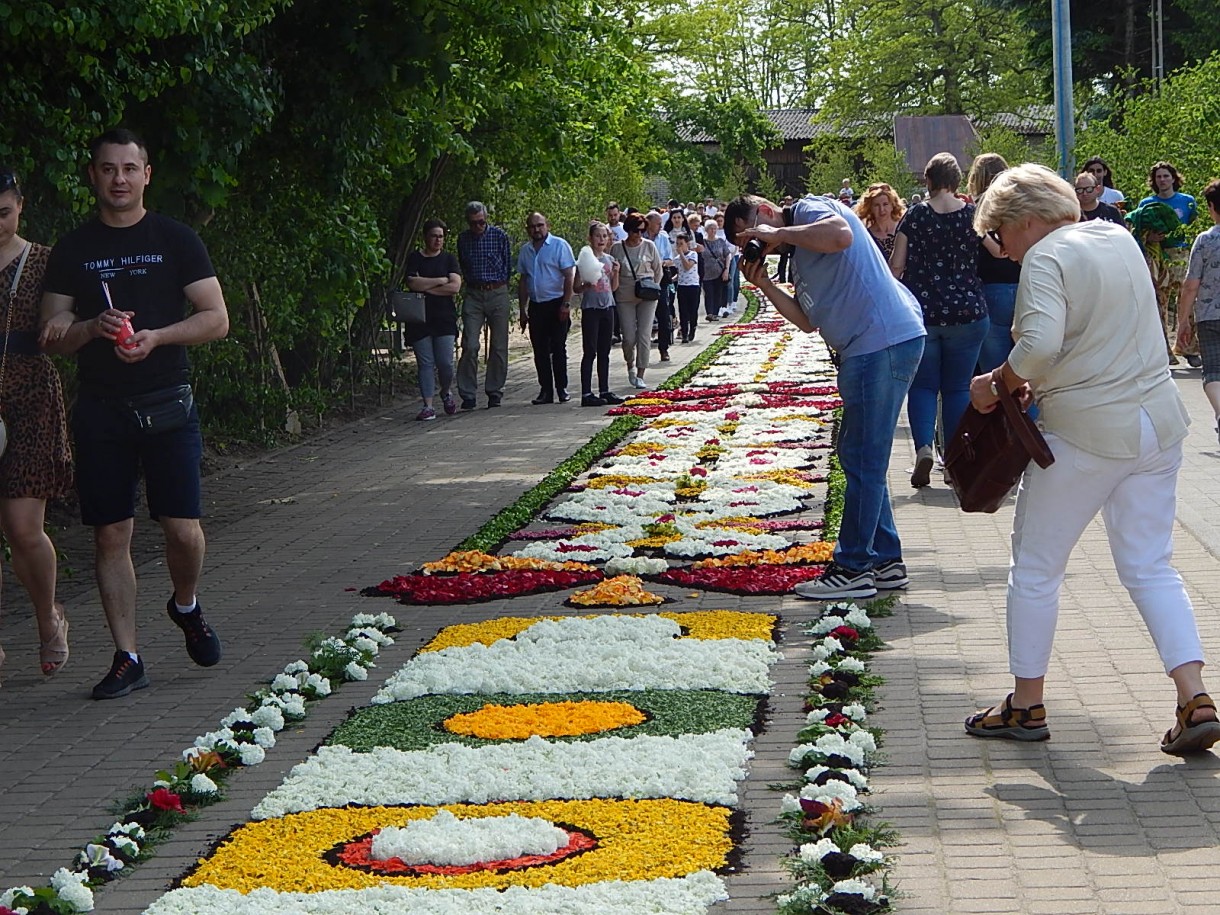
(8,182)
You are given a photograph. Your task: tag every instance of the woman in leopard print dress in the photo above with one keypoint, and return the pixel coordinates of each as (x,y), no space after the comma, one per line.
(37,464)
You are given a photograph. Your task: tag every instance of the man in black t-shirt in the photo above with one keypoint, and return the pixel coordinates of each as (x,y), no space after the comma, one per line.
(1088,192)
(116,296)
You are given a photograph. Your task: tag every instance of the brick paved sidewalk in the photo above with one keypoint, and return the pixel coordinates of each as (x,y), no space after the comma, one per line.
(1095,821)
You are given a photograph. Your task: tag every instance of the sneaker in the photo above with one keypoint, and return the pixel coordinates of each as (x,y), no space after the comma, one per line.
(921,476)
(125,675)
(838,583)
(631,380)
(1194,361)
(591,400)
(890,576)
(425,414)
(610,399)
(638,382)
(468,403)
(450,405)
(202,642)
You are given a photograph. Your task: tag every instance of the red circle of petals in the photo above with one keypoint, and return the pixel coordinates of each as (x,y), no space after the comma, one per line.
(358,853)
(473,587)
(764,578)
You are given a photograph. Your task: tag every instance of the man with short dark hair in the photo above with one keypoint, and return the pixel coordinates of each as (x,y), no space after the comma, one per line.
(1091,207)
(614,219)
(116,295)
(544,295)
(874,327)
(485,256)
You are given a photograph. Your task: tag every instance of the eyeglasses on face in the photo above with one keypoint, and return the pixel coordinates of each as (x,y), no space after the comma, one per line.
(476,221)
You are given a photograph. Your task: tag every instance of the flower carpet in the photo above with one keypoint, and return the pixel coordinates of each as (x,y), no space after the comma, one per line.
(573,760)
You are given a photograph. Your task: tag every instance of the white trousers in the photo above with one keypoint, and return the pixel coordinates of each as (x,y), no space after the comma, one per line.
(635,324)
(1137,500)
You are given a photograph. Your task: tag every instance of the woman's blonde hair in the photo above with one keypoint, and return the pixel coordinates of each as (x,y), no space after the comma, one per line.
(1026,192)
(983,171)
(864,208)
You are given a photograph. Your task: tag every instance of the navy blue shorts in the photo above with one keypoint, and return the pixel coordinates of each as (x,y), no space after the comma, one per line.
(112,453)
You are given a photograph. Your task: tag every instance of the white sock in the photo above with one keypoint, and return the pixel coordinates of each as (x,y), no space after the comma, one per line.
(135,657)
(190,608)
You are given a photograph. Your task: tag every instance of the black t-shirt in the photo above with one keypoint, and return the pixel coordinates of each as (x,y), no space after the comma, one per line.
(440,311)
(147,266)
(997,270)
(1104,211)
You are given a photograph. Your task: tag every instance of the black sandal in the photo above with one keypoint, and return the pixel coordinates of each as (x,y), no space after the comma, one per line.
(1192,738)
(1010,723)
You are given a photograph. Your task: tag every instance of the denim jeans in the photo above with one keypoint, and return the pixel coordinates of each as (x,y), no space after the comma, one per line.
(734,280)
(949,357)
(1001,302)
(433,356)
(872,387)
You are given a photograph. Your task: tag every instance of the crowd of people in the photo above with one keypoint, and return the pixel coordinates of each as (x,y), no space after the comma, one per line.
(657,266)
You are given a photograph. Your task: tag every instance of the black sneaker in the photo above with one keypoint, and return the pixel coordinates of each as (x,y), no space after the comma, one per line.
(610,399)
(125,675)
(202,643)
(890,576)
(1194,361)
(839,583)
(468,403)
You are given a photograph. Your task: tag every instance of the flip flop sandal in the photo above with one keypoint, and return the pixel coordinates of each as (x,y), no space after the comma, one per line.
(1192,738)
(1010,723)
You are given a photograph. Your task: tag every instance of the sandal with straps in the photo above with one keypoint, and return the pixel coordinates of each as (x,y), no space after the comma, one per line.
(1192,738)
(1010,723)
(53,653)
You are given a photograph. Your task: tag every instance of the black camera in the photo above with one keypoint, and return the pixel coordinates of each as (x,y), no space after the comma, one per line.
(753,251)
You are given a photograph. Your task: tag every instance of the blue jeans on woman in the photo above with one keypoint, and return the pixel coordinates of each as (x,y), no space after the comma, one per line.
(1001,303)
(433,354)
(872,388)
(949,358)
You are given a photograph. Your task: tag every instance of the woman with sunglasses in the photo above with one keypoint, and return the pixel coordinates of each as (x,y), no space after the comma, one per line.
(37,464)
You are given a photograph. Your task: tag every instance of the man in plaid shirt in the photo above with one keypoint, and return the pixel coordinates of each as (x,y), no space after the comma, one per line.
(486,258)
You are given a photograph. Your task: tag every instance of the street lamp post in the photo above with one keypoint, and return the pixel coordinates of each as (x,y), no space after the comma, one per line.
(1065,115)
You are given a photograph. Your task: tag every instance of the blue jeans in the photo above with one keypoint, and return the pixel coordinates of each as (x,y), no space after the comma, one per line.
(872,388)
(1001,302)
(433,356)
(734,279)
(949,358)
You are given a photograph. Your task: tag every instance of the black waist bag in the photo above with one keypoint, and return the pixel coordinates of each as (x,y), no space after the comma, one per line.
(160,411)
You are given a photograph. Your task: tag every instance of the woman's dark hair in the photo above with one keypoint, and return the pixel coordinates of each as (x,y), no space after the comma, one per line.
(634,223)
(1107,177)
(435,224)
(943,172)
(9,181)
(674,214)
(1177,179)
(1211,194)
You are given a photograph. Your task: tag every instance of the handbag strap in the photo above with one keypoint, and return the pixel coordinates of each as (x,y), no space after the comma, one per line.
(1031,439)
(8,318)
(629,264)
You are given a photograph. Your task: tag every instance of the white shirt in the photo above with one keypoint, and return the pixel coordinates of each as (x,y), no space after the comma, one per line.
(1089,340)
(1112,196)
(617,232)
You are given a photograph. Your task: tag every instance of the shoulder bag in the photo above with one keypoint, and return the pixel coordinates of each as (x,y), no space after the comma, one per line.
(407,307)
(989,452)
(646,287)
(8,327)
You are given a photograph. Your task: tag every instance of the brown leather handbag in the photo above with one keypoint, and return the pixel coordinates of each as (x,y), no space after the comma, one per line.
(989,452)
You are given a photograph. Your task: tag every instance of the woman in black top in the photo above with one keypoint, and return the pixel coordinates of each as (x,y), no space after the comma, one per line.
(436,274)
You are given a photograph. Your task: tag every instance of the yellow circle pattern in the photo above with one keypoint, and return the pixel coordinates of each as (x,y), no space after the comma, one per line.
(637,840)
(546,719)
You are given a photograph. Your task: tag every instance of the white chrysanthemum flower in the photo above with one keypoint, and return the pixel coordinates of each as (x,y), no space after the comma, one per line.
(126,844)
(813,852)
(264,737)
(864,740)
(318,684)
(354,671)
(855,776)
(858,619)
(7,897)
(833,790)
(866,853)
(251,754)
(817,668)
(855,712)
(268,716)
(855,665)
(790,804)
(859,888)
(201,784)
(71,889)
(285,683)
(368,646)
(817,716)
(135,830)
(830,643)
(238,714)
(296,667)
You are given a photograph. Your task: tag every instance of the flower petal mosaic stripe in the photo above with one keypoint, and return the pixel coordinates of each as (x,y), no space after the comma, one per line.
(606,748)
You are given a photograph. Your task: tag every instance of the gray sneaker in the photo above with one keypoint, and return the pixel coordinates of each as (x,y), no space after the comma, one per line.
(921,476)
(890,576)
(838,583)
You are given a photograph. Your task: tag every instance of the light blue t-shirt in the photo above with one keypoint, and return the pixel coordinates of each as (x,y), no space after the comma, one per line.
(1186,208)
(851,296)
(543,267)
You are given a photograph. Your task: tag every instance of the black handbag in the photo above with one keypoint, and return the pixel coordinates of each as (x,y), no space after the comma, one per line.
(160,411)
(407,307)
(989,452)
(646,287)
